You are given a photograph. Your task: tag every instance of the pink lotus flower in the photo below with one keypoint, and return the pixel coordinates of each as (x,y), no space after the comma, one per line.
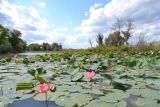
(90,75)
(110,70)
(44,88)
(93,57)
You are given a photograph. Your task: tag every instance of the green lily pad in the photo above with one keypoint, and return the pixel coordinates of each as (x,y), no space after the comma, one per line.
(121,104)
(51,96)
(5,101)
(72,88)
(80,99)
(77,76)
(114,97)
(94,91)
(65,101)
(100,103)
(146,102)
(152,94)
(73,100)
(136,92)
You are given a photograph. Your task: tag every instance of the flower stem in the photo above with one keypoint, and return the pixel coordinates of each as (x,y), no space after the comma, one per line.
(46,100)
(91,87)
(2,90)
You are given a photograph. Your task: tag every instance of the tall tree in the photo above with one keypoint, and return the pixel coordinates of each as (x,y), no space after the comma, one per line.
(56,46)
(99,39)
(121,33)
(114,39)
(5,45)
(34,47)
(46,47)
(15,39)
(127,33)
(21,46)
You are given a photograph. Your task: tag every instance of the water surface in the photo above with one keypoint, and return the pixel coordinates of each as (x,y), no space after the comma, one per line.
(30,102)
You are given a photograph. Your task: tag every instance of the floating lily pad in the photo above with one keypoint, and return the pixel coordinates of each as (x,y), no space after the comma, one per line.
(100,103)
(68,88)
(65,101)
(77,76)
(114,97)
(146,102)
(73,100)
(51,96)
(80,99)
(94,91)
(121,104)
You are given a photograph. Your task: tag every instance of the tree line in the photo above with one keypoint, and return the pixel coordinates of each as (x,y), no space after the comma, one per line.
(11,42)
(120,33)
(45,47)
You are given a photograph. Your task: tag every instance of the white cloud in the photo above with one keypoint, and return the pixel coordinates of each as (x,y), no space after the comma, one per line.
(145,13)
(42,4)
(33,27)
(23,17)
(37,29)
(100,18)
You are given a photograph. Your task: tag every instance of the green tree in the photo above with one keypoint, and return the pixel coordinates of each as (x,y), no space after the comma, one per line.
(34,47)
(127,33)
(121,33)
(114,39)
(21,46)
(46,47)
(5,45)
(56,47)
(15,39)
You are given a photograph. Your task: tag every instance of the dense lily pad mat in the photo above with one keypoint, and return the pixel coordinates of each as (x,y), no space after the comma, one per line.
(117,79)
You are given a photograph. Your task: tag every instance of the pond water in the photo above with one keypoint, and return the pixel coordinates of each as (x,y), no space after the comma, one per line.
(32,53)
(30,102)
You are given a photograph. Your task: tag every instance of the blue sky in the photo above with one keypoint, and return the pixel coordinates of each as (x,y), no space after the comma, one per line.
(68,13)
(72,22)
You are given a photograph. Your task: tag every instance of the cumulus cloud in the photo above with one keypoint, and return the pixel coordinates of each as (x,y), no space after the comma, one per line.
(33,27)
(100,18)
(42,4)
(37,29)
(145,13)
(23,17)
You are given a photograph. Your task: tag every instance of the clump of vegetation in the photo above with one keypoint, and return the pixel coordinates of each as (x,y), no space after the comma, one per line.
(118,39)
(44,47)
(10,40)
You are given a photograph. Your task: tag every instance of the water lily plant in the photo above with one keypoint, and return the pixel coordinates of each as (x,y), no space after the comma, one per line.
(89,76)
(110,70)
(43,88)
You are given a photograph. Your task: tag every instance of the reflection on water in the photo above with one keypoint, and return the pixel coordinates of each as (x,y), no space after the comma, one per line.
(32,53)
(130,100)
(30,102)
